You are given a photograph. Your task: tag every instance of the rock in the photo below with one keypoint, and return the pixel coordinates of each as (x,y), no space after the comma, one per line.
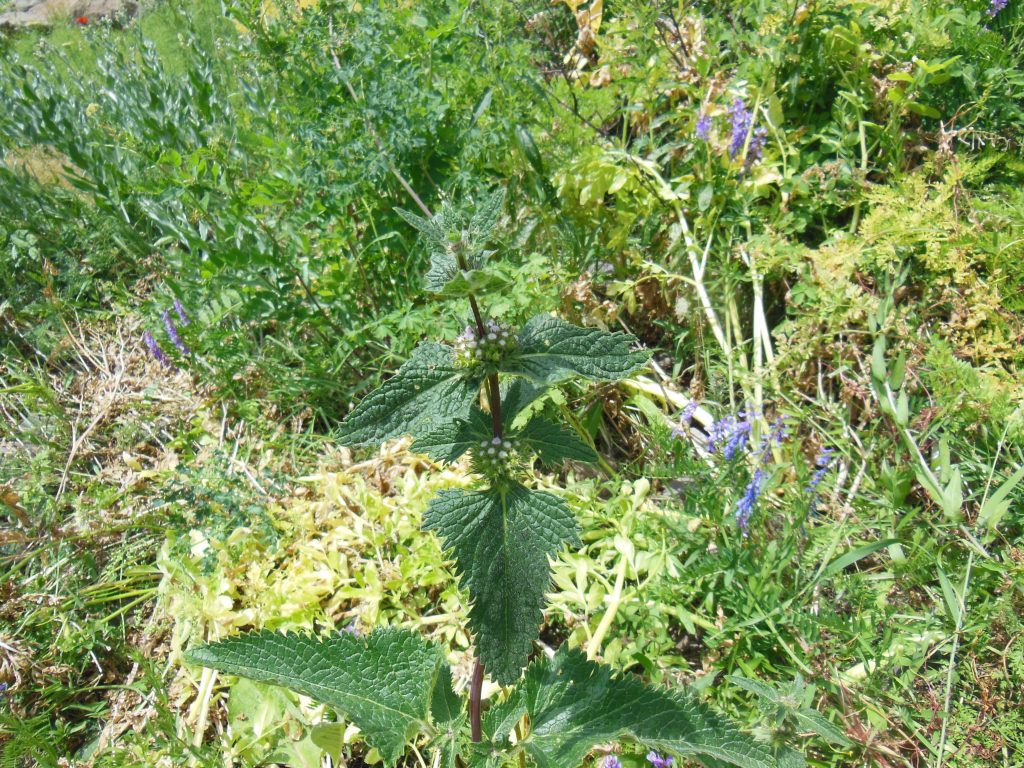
(46,13)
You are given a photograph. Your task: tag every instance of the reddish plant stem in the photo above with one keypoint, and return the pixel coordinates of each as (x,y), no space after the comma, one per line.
(494,398)
(474,700)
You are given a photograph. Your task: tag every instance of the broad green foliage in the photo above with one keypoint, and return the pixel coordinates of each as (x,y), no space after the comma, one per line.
(502,539)
(574,704)
(450,441)
(428,390)
(387,684)
(554,443)
(551,350)
(452,234)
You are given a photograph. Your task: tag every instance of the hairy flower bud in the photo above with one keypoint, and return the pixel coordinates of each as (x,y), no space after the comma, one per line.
(472,348)
(494,457)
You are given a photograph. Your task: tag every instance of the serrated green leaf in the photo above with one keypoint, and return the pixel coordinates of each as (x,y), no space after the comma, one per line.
(551,350)
(427,391)
(813,720)
(476,281)
(502,539)
(449,441)
(383,683)
(554,443)
(445,706)
(756,687)
(517,394)
(443,270)
(426,227)
(471,232)
(575,704)
(486,215)
(450,745)
(790,758)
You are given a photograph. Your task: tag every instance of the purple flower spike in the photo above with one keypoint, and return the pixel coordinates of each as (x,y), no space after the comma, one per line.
(351,629)
(741,119)
(180,311)
(995,7)
(822,464)
(703,129)
(658,761)
(172,334)
(729,436)
(685,419)
(748,502)
(155,350)
(611,762)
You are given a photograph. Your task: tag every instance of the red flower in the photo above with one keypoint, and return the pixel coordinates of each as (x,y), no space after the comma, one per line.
(82,20)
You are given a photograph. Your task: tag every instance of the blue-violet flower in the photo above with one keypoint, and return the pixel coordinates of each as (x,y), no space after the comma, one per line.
(822,465)
(155,350)
(742,120)
(172,334)
(658,761)
(748,502)
(703,129)
(180,310)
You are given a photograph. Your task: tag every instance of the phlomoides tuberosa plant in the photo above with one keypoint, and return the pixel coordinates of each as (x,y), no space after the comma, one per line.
(472,397)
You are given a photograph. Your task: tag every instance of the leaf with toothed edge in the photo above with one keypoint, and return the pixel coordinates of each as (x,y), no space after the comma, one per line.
(384,683)
(551,350)
(575,704)
(449,441)
(502,539)
(554,443)
(428,391)
(517,395)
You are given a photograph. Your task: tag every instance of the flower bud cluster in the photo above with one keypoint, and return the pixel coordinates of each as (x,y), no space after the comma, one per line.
(494,455)
(472,349)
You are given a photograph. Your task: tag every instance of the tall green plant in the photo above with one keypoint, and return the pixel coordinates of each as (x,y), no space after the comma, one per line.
(471,397)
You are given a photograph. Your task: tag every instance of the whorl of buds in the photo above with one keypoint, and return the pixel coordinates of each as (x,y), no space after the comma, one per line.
(494,456)
(472,349)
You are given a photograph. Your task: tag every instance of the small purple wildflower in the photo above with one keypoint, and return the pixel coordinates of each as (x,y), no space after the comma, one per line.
(822,465)
(172,334)
(658,761)
(729,436)
(685,419)
(748,502)
(180,311)
(155,350)
(995,7)
(350,629)
(756,145)
(703,129)
(611,762)
(778,432)
(742,120)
